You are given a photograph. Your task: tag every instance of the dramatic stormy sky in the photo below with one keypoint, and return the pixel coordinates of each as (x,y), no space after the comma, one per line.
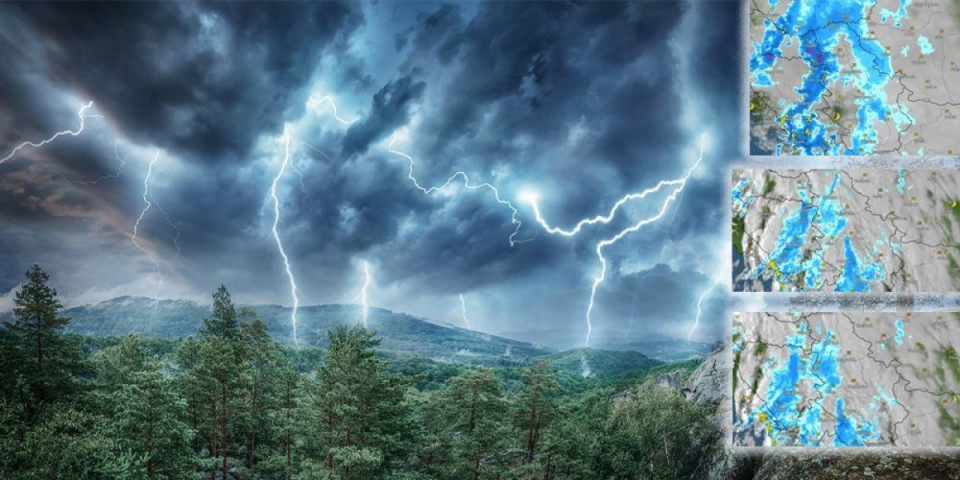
(581,103)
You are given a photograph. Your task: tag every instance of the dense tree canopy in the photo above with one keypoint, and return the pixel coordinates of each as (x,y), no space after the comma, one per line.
(231,403)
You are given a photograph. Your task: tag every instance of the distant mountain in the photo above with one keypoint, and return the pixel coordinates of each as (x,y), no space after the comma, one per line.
(174,319)
(400,333)
(651,344)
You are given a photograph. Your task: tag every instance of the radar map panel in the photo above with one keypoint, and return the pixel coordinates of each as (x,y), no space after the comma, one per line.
(846,379)
(838,77)
(843,230)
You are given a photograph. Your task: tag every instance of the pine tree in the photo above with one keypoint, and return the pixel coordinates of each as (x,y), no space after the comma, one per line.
(358,410)
(145,412)
(261,394)
(39,361)
(473,407)
(537,403)
(223,324)
(212,378)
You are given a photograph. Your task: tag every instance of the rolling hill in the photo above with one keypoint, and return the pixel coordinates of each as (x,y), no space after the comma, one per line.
(401,334)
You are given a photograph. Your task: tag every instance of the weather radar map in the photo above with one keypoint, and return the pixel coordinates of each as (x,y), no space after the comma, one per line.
(840,77)
(846,379)
(878,230)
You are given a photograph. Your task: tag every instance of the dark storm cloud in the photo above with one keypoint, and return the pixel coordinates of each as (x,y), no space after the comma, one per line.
(201,79)
(525,70)
(583,101)
(389,110)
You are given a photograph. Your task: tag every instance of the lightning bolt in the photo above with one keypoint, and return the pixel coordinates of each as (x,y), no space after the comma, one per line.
(532,199)
(276,208)
(329,100)
(466,183)
(115,174)
(703,296)
(147,204)
(176,229)
(276,235)
(74,133)
(677,188)
(363,292)
(463,311)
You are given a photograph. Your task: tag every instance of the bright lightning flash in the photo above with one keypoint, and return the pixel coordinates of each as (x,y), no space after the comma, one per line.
(678,186)
(703,296)
(466,183)
(363,293)
(147,204)
(329,100)
(74,133)
(276,236)
(463,312)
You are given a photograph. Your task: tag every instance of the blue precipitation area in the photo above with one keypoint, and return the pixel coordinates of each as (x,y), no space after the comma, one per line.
(787,260)
(741,198)
(924,43)
(816,28)
(793,411)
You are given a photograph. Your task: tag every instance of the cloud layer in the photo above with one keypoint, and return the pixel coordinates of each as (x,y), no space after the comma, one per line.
(580,102)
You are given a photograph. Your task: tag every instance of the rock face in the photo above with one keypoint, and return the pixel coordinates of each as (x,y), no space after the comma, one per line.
(711,380)
(850,464)
(672,379)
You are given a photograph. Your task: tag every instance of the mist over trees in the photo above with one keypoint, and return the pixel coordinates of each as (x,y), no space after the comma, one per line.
(230,403)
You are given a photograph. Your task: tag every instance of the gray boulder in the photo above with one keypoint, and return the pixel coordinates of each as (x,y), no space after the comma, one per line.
(711,380)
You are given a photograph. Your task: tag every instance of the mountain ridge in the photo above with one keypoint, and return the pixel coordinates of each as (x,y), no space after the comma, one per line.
(173,319)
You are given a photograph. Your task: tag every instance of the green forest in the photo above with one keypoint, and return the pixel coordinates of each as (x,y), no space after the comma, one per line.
(229,402)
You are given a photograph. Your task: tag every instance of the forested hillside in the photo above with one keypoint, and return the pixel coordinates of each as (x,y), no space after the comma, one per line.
(231,402)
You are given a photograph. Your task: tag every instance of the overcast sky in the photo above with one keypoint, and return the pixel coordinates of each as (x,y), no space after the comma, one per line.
(581,103)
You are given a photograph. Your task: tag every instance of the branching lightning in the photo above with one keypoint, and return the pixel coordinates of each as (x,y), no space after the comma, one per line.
(532,198)
(115,174)
(329,100)
(74,133)
(678,186)
(294,290)
(463,312)
(363,293)
(147,204)
(703,296)
(466,183)
(276,236)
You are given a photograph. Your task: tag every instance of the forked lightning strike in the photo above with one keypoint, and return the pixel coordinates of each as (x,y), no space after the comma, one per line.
(363,293)
(532,199)
(678,186)
(276,236)
(463,312)
(115,174)
(74,133)
(466,183)
(329,100)
(703,296)
(147,204)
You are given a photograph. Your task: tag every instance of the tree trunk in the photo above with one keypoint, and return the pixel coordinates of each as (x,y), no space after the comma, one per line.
(196,437)
(213,431)
(289,473)
(532,426)
(40,390)
(223,391)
